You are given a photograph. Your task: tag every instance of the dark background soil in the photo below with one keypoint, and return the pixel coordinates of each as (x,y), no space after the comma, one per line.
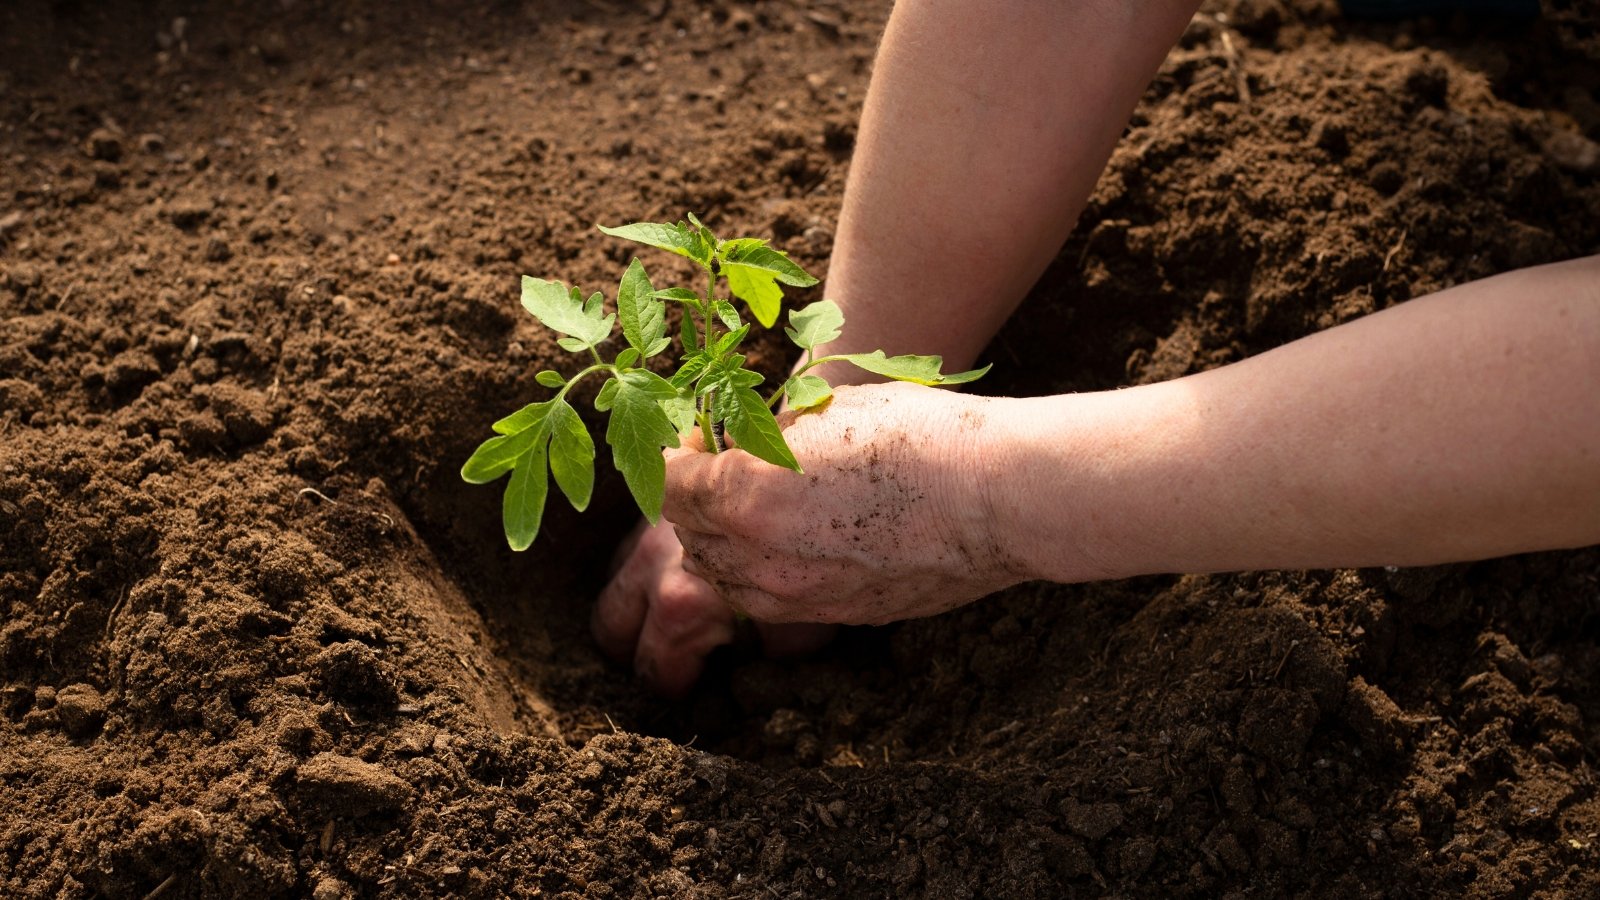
(258,301)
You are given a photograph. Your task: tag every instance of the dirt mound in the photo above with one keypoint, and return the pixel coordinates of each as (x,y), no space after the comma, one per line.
(257,280)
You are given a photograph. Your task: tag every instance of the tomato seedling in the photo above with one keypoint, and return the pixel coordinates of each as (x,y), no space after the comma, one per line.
(710,390)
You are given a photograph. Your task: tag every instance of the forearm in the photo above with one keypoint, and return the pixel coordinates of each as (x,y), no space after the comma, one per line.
(1459,426)
(984,130)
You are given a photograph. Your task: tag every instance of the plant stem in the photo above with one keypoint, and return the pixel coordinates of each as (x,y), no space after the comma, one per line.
(709,433)
(578,377)
(772,402)
(813,363)
(705,308)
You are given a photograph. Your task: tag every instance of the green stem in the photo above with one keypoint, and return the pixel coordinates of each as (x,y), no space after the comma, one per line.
(705,308)
(708,435)
(599,366)
(772,402)
(708,432)
(813,363)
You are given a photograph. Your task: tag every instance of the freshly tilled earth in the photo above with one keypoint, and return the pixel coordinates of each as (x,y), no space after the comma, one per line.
(258,269)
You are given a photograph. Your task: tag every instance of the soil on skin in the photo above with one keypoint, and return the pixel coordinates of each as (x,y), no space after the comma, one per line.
(258,267)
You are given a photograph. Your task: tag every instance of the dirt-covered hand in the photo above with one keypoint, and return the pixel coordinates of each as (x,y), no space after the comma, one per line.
(665,621)
(889,520)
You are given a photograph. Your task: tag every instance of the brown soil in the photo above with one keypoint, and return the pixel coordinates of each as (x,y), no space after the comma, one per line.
(257,280)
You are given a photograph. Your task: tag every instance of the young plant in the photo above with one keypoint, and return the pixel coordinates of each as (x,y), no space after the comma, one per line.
(710,389)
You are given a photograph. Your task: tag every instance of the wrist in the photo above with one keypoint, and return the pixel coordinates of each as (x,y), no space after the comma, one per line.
(976,481)
(1084,488)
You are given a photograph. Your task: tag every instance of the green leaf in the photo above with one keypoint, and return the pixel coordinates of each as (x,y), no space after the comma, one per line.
(755,430)
(571,455)
(754,271)
(524,418)
(628,358)
(638,430)
(682,295)
(564,312)
(728,372)
(689,333)
(608,393)
(681,239)
(680,412)
(726,314)
(523,506)
(651,384)
(643,317)
(660,344)
(815,325)
(497,456)
(730,340)
(806,391)
(917,369)
(572,344)
(550,379)
(692,367)
(727,377)
(706,232)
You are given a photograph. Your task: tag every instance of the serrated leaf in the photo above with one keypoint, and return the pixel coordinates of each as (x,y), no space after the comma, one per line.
(755,430)
(726,314)
(550,379)
(643,317)
(725,379)
(523,506)
(680,412)
(572,344)
(571,455)
(815,325)
(806,391)
(497,456)
(608,392)
(680,238)
(628,358)
(689,333)
(681,295)
(524,418)
(660,345)
(916,369)
(638,430)
(730,340)
(562,311)
(729,372)
(653,385)
(691,368)
(754,271)
(695,221)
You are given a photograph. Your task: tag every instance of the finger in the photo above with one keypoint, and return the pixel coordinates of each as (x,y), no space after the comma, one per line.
(712,557)
(696,495)
(619,610)
(685,623)
(690,442)
(619,614)
(793,639)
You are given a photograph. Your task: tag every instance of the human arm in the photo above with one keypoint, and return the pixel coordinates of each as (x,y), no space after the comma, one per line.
(985,127)
(1458,426)
(984,130)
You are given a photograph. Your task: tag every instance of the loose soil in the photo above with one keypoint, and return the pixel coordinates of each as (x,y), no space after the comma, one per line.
(258,267)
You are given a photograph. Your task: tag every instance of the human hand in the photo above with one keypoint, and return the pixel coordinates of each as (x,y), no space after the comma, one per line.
(665,621)
(890,519)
